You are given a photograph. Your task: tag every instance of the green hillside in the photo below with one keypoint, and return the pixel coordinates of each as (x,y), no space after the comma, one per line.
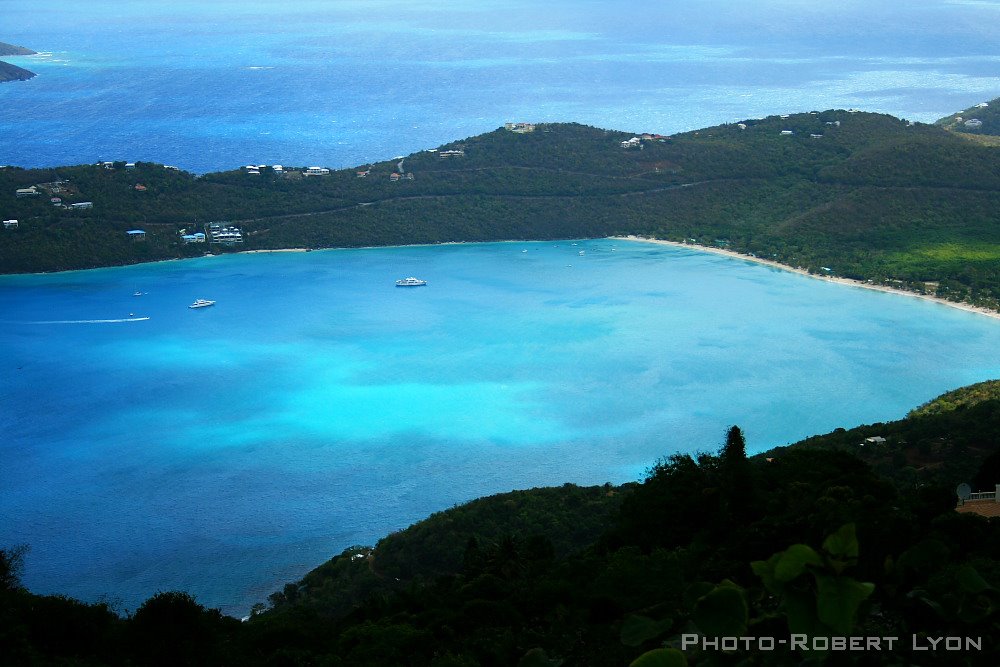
(866,195)
(12,50)
(808,539)
(986,113)
(10,72)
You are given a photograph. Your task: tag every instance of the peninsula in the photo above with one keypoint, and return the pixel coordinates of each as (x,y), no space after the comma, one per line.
(10,72)
(839,193)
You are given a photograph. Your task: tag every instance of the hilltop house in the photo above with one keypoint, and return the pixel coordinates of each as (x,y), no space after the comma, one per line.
(316,171)
(26,192)
(520,128)
(10,224)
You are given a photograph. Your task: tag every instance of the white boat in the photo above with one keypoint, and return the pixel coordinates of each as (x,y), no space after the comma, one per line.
(202,303)
(410,282)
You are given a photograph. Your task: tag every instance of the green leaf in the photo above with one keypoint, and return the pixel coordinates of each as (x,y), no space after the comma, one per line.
(926,556)
(722,613)
(793,562)
(923,596)
(970,581)
(800,611)
(842,544)
(637,630)
(537,657)
(765,570)
(661,657)
(838,600)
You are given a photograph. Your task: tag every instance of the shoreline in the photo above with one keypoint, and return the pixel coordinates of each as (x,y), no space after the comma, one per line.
(849,282)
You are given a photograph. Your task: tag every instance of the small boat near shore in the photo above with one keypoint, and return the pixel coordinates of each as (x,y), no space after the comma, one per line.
(410,282)
(202,303)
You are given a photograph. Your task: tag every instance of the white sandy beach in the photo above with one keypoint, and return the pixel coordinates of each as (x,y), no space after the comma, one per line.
(833,279)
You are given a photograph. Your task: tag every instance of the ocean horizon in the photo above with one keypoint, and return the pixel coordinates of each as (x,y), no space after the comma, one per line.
(213,86)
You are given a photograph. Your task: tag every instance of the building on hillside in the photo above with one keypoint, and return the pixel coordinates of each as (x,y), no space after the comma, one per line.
(197,237)
(316,171)
(136,234)
(448,154)
(983,503)
(785,133)
(634,142)
(79,206)
(10,224)
(130,165)
(973,123)
(26,192)
(224,233)
(520,128)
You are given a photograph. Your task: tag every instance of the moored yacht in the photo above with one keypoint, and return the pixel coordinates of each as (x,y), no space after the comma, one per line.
(202,303)
(410,282)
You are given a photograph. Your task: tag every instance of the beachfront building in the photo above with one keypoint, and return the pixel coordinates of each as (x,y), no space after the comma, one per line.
(224,233)
(197,237)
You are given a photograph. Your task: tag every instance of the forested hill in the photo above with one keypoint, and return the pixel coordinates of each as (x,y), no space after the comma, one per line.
(860,195)
(808,539)
(980,119)
(10,72)
(11,50)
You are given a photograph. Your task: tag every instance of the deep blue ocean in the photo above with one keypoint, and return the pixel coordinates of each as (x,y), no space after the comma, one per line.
(215,85)
(145,446)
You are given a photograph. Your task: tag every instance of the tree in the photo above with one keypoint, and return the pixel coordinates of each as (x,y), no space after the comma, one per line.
(11,564)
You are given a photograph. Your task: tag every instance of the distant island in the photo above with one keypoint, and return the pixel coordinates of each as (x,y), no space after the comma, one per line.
(10,72)
(839,194)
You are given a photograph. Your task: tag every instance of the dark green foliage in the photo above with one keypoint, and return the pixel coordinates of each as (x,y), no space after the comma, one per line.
(871,197)
(989,116)
(960,398)
(821,544)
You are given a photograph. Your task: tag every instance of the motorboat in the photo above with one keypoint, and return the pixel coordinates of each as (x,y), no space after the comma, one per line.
(410,282)
(202,303)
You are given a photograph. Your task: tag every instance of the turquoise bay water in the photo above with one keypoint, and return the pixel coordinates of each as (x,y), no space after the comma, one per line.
(226,451)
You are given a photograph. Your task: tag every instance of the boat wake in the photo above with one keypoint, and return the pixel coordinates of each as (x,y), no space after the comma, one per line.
(124,319)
